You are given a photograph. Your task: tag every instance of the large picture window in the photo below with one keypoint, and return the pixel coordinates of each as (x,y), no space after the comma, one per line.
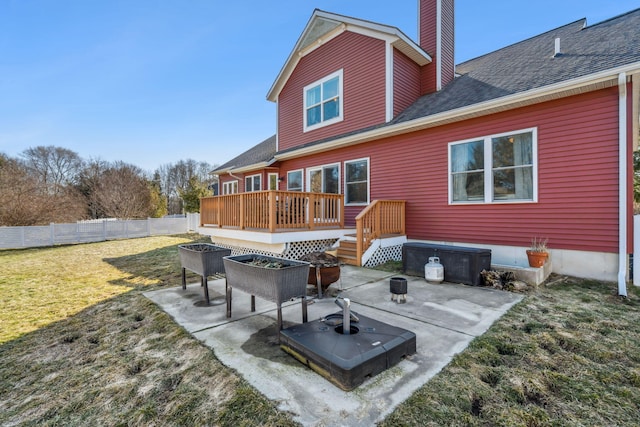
(496,168)
(323,102)
(356,181)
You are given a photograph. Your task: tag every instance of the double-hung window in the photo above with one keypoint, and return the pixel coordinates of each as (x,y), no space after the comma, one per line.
(356,182)
(253,183)
(323,102)
(494,169)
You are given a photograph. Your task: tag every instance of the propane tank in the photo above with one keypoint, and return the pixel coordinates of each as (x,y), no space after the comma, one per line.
(434,271)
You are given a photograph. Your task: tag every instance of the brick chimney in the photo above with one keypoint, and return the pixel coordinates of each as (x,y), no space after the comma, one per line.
(436,37)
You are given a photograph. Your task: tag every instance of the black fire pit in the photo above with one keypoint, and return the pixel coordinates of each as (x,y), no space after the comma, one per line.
(204,259)
(347,359)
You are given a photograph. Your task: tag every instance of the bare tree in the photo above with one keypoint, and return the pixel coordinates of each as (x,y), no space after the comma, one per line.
(87,184)
(23,200)
(175,179)
(55,168)
(123,192)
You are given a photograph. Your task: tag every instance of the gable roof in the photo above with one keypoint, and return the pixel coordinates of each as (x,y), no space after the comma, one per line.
(324,26)
(260,155)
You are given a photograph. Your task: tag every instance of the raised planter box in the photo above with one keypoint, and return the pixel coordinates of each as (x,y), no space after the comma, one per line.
(204,259)
(461,264)
(274,284)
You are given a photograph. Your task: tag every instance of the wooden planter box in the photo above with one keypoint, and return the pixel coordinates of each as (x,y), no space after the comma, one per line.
(273,284)
(204,259)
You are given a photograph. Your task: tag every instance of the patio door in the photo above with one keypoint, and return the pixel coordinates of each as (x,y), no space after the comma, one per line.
(323,179)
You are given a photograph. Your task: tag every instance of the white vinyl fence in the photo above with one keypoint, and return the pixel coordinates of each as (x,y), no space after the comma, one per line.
(91,231)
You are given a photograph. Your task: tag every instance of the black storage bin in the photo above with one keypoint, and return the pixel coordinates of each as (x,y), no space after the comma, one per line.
(461,265)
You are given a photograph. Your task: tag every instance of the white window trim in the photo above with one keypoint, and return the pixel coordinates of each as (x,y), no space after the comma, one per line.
(488,166)
(344,184)
(269,175)
(320,168)
(324,123)
(252,177)
(301,179)
(229,185)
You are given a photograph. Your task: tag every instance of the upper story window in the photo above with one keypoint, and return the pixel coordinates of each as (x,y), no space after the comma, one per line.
(356,182)
(323,102)
(494,169)
(253,183)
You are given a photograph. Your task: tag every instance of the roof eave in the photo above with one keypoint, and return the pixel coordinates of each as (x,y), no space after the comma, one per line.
(601,80)
(246,168)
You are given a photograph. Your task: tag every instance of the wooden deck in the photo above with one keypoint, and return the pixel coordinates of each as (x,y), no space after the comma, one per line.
(273,211)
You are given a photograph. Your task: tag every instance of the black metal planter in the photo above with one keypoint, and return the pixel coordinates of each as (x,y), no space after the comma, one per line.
(273,284)
(204,259)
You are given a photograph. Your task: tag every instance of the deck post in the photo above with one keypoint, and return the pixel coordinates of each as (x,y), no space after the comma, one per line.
(312,211)
(242,211)
(272,211)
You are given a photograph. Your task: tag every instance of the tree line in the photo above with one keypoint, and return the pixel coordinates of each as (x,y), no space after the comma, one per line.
(47,184)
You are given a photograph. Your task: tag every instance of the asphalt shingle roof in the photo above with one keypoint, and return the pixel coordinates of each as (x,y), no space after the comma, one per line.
(263,152)
(530,64)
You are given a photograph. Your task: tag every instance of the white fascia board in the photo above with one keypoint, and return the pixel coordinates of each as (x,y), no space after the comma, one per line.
(248,168)
(583,84)
(371,29)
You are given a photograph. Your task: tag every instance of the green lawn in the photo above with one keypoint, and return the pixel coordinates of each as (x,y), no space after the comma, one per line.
(80,345)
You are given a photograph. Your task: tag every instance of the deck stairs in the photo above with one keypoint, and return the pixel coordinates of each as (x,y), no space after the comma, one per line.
(347,250)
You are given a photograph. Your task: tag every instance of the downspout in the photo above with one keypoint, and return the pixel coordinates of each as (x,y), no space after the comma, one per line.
(233,176)
(622,185)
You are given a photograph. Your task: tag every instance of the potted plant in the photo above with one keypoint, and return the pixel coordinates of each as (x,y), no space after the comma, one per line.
(538,252)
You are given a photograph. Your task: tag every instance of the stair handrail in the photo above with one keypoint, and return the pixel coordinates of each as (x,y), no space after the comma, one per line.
(379,218)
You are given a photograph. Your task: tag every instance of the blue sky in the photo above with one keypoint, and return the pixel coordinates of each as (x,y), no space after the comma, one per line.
(152,82)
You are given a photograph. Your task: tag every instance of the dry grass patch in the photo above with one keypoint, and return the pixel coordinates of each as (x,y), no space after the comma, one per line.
(568,355)
(94,351)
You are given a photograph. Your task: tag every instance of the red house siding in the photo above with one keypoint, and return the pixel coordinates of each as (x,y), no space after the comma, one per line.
(362,59)
(577,204)
(406,82)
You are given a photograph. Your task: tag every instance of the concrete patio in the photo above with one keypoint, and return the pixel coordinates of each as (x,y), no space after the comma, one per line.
(445,318)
